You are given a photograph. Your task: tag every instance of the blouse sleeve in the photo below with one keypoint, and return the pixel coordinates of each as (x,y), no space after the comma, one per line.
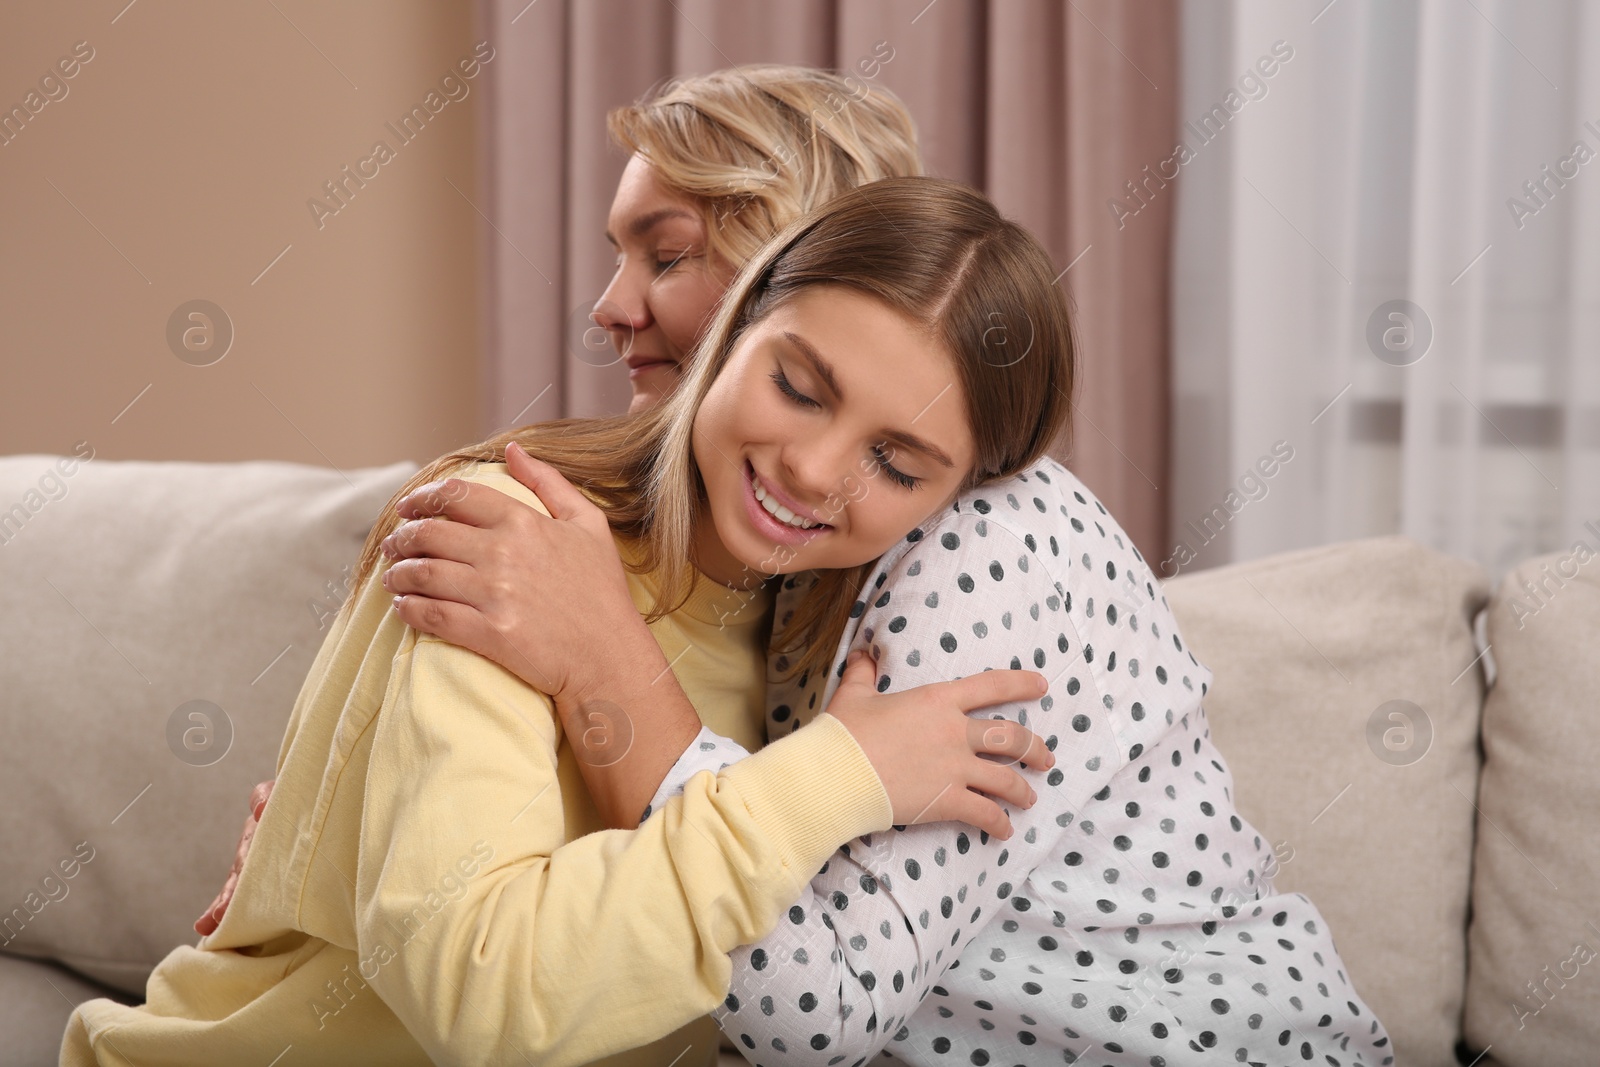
(708,751)
(871,935)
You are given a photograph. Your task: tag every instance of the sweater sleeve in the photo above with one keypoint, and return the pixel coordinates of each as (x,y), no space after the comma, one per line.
(495,939)
(870,936)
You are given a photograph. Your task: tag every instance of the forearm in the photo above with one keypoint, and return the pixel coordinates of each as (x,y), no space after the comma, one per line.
(606,943)
(628,729)
(491,935)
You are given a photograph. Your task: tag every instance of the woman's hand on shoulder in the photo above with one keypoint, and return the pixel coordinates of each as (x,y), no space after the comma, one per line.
(535,593)
(928,751)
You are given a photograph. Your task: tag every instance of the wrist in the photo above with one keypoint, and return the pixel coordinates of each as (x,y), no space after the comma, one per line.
(627,731)
(624,675)
(637,707)
(631,661)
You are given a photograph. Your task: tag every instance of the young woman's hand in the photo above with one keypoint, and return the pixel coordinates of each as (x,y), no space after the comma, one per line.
(926,749)
(504,580)
(208,923)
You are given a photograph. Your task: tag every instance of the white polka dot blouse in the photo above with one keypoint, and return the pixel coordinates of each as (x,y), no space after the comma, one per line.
(1130,919)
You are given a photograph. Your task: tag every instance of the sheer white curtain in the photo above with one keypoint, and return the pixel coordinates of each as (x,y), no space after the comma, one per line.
(1387,259)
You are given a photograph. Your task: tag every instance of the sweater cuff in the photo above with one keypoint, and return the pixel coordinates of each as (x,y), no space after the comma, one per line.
(812,791)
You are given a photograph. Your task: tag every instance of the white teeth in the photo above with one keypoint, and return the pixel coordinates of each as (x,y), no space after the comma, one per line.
(777,510)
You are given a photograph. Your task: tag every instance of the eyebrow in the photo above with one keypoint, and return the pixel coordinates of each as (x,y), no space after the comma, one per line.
(825,372)
(643,224)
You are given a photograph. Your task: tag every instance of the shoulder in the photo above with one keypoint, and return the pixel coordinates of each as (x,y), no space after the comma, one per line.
(496,476)
(1052,511)
(1044,517)
(1045,523)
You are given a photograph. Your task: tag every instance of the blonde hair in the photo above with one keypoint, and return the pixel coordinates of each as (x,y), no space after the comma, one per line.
(936,251)
(758,146)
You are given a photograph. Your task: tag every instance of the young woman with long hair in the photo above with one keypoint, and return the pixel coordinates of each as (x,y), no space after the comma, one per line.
(429,882)
(1132,919)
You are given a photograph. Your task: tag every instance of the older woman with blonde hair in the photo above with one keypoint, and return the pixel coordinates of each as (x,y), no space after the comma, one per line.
(718,163)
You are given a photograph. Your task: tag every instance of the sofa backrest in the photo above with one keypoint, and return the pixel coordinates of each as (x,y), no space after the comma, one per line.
(160,619)
(1533,981)
(1346,701)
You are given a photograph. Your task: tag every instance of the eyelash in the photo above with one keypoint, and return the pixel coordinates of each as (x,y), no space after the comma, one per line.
(661,266)
(898,477)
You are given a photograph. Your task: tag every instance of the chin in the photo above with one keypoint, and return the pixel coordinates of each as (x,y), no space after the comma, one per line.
(774,560)
(644,399)
(653,387)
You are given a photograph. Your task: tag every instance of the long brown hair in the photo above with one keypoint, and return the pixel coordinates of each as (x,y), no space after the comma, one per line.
(938,252)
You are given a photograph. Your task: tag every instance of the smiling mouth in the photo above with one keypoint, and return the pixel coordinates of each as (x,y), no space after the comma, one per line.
(770,505)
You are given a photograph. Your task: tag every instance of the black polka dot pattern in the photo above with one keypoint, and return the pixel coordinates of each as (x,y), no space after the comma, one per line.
(1131,918)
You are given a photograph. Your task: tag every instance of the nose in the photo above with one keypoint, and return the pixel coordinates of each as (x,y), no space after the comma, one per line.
(624,308)
(821,471)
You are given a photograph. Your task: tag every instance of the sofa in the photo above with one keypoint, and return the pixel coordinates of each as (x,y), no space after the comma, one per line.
(1416,749)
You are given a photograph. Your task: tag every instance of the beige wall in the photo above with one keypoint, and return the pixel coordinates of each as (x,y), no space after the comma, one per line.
(188,147)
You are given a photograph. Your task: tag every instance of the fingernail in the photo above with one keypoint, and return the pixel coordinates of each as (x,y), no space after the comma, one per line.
(396,603)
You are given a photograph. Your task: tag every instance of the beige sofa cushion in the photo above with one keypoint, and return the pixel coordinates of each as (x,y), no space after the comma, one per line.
(1537,866)
(133,589)
(1307,648)
(35,999)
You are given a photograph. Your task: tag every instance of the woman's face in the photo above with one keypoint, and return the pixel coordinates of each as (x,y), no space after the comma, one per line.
(664,290)
(840,410)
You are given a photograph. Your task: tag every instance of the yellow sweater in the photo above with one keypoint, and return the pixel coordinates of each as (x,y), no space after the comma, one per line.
(431,879)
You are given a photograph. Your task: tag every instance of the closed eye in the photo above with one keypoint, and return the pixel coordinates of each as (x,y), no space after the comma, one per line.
(898,477)
(790,391)
(880,456)
(665,261)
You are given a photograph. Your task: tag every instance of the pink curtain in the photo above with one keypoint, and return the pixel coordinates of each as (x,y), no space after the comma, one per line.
(1052,109)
